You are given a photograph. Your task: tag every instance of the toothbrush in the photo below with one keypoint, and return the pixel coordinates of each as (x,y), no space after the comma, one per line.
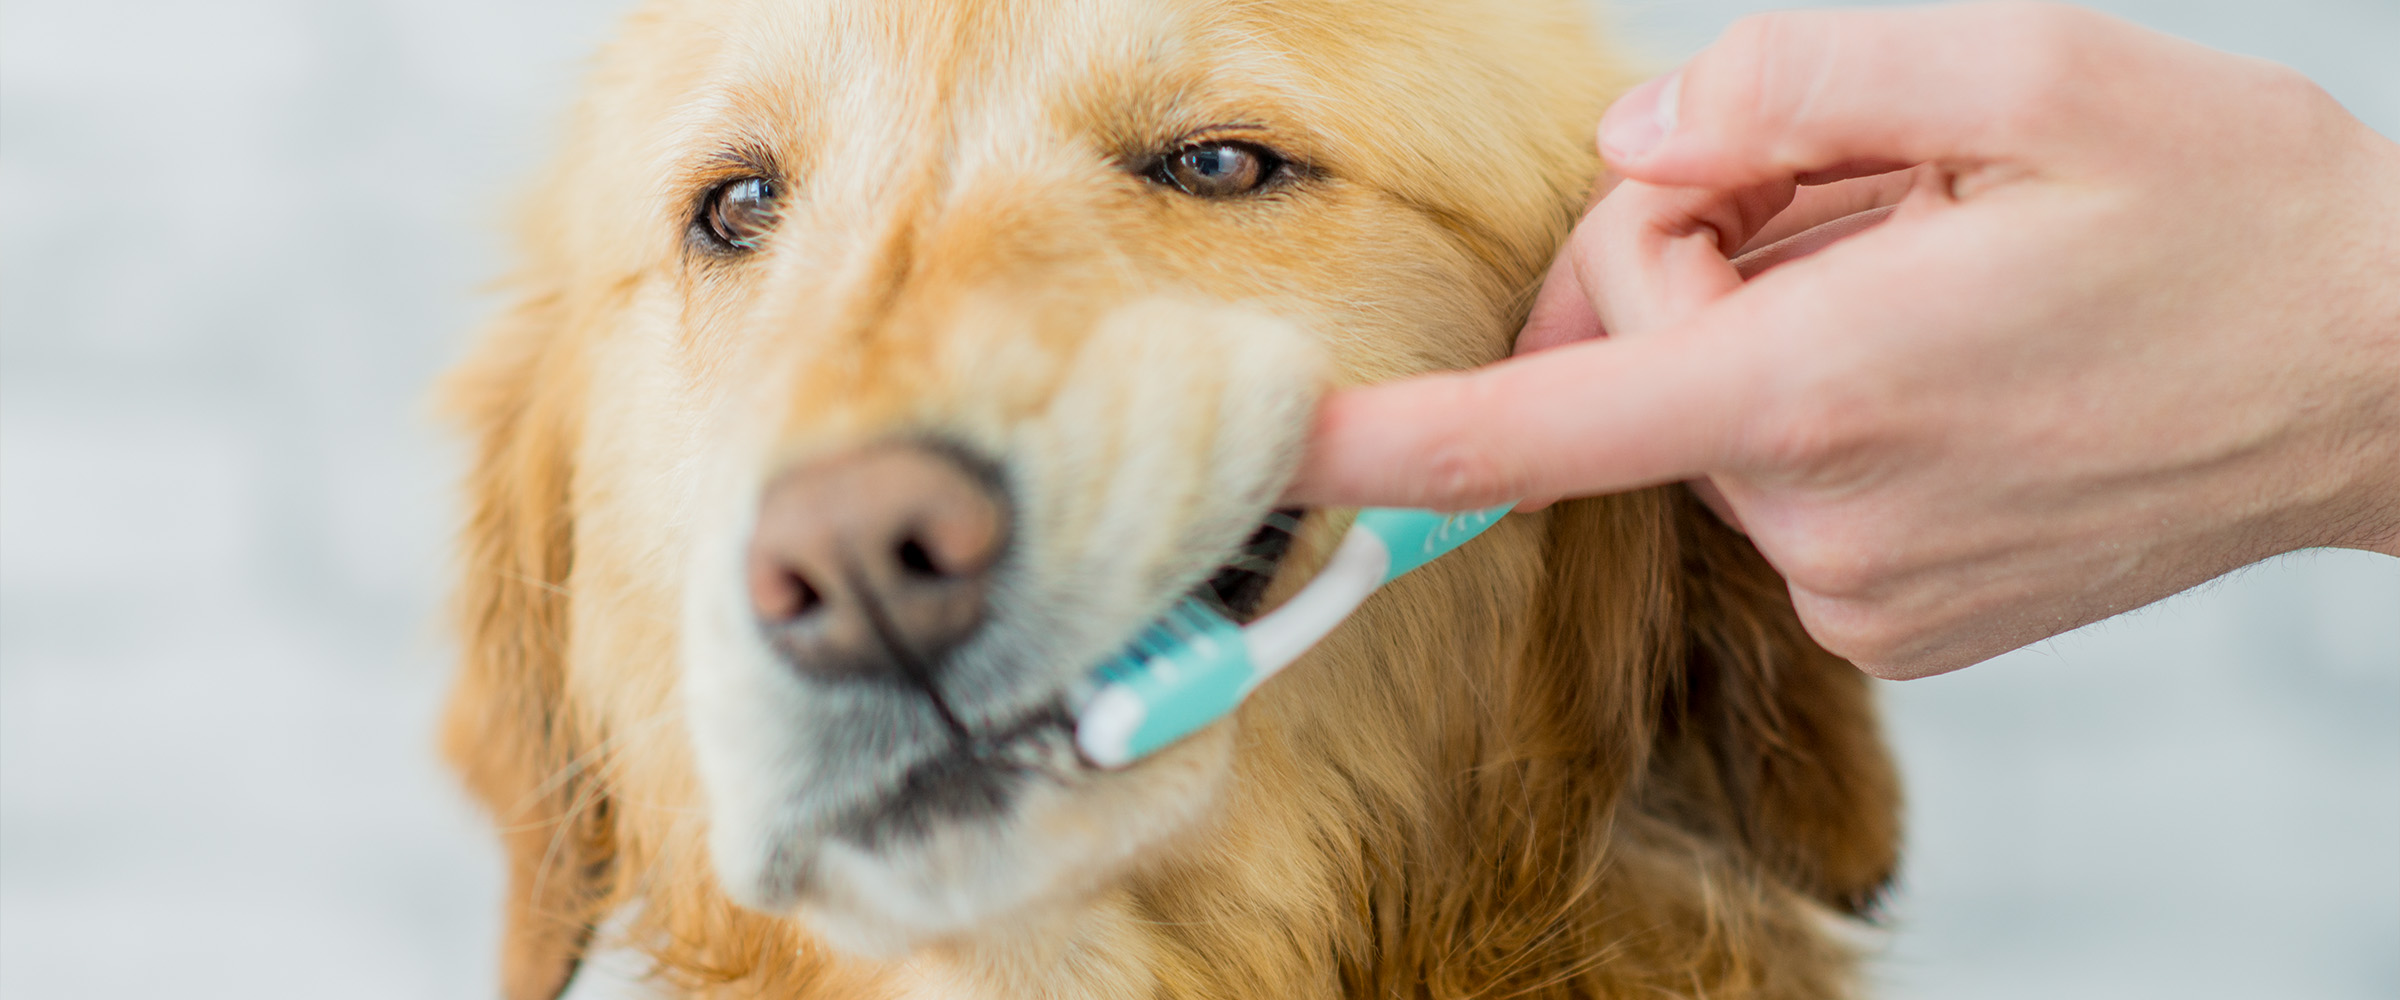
(1193,666)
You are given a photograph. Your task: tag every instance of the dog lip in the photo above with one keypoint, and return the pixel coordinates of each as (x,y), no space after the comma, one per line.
(1051,717)
(973,778)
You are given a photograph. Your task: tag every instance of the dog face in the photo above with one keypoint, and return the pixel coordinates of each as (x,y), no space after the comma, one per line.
(880,366)
(1091,263)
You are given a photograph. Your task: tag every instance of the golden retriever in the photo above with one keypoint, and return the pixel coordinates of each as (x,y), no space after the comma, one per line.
(879,366)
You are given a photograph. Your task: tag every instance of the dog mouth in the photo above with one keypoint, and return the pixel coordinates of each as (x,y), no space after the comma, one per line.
(978,776)
(1239,586)
(973,780)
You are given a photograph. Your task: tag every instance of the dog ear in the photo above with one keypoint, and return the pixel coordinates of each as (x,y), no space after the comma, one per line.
(508,728)
(1768,740)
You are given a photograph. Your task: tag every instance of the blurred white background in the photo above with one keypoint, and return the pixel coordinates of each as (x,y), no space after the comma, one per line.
(237,239)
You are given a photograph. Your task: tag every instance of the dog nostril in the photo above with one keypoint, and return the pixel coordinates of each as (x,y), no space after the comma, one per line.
(915,559)
(804,597)
(875,563)
(780,593)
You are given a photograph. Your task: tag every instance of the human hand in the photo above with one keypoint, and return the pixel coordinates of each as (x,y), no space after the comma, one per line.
(2133,321)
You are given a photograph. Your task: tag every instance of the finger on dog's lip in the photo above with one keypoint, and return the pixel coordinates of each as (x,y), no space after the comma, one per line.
(1382,446)
(1343,467)
(1600,416)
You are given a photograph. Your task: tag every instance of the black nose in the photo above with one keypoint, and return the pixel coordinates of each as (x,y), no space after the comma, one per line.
(875,564)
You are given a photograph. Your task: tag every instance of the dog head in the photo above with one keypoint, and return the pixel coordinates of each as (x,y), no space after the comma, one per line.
(882,367)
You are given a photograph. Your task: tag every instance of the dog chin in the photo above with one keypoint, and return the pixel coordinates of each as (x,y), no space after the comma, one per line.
(1054,845)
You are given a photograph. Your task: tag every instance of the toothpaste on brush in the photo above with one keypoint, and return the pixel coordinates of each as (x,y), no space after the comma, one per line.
(1194,666)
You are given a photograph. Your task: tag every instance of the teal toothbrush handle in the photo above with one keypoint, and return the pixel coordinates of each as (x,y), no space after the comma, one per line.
(1195,667)
(1416,537)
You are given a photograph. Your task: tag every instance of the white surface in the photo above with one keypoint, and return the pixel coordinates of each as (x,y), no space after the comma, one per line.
(238,238)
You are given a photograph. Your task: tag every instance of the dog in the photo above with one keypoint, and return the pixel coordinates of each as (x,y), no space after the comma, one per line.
(876,367)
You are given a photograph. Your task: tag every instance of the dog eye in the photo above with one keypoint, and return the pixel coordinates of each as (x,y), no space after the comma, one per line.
(738,214)
(1220,169)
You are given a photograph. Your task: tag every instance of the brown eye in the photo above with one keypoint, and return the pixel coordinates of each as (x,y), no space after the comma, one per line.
(739,214)
(1220,169)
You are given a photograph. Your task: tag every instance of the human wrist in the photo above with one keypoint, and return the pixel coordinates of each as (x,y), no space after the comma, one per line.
(2368,332)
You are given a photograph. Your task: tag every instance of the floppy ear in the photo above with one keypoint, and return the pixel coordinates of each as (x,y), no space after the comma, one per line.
(1768,740)
(508,728)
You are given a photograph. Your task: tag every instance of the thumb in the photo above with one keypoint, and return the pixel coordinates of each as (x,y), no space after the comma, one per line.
(1820,95)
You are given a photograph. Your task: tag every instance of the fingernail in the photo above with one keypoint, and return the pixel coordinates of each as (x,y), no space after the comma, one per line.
(1641,119)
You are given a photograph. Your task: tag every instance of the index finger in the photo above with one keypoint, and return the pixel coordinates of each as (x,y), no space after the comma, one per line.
(1598,416)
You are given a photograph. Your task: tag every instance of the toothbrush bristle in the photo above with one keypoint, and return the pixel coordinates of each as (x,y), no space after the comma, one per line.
(1186,618)
(1185,670)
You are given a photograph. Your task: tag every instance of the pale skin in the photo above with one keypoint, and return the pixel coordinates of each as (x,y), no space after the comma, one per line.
(1983,322)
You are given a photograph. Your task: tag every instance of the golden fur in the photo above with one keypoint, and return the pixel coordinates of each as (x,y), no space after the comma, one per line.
(1591,754)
